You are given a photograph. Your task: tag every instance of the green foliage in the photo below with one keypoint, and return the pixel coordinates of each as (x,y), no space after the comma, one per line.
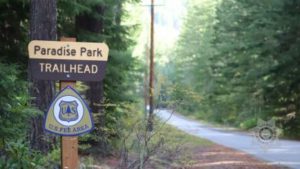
(119,84)
(19,155)
(189,71)
(15,114)
(165,145)
(102,21)
(13,31)
(242,60)
(51,160)
(14,108)
(249,124)
(120,77)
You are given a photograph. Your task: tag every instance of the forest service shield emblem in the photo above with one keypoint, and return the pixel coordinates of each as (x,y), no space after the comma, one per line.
(68,110)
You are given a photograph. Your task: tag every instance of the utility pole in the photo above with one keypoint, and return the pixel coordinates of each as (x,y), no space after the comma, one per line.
(151,76)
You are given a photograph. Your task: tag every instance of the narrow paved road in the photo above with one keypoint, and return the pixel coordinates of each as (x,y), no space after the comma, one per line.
(282,152)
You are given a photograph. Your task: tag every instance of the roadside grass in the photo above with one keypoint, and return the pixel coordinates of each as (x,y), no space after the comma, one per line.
(177,149)
(176,136)
(171,148)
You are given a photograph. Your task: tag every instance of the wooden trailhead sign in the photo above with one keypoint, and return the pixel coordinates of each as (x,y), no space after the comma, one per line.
(63,60)
(68,114)
(68,61)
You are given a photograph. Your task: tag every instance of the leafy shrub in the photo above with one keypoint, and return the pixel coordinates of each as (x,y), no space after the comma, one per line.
(15,114)
(19,155)
(14,109)
(248,124)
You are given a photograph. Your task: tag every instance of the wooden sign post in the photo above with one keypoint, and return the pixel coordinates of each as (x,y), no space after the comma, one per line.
(69,145)
(68,61)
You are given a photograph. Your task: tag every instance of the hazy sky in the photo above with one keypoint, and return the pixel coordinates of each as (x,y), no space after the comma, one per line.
(168,16)
(168,19)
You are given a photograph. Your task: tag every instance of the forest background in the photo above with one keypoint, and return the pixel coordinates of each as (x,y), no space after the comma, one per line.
(236,61)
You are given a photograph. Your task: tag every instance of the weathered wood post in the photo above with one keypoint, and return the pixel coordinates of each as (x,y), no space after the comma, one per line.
(69,144)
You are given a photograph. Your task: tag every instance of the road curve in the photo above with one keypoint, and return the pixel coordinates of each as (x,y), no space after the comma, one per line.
(282,152)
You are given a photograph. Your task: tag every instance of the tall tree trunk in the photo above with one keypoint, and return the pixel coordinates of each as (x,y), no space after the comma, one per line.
(95,93)
(42,27)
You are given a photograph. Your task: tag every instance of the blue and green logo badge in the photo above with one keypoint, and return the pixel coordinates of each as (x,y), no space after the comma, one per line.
(68,114)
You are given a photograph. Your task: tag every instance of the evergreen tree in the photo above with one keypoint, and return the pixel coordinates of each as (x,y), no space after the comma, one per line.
(242,58)
(42,27)
(102,22)
(14,32)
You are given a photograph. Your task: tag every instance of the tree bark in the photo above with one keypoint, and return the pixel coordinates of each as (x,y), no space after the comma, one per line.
(42,27)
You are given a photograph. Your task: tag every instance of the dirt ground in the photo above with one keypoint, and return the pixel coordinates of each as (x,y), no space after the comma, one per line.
(219,157)
(183,151)
(202,157)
